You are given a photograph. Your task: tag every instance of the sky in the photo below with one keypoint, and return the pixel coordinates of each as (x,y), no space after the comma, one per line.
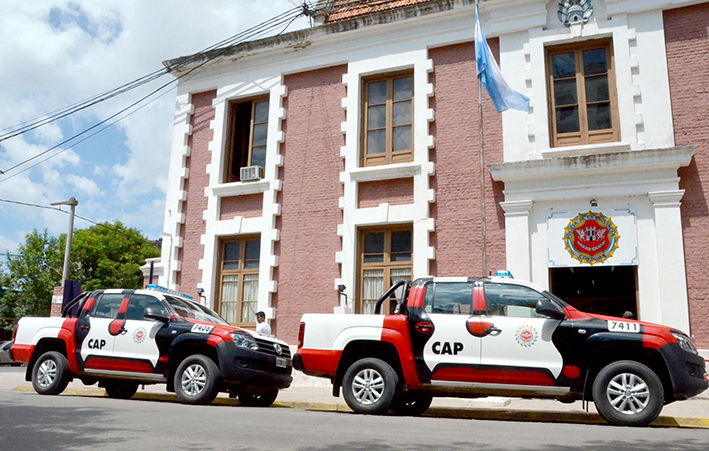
(56,53)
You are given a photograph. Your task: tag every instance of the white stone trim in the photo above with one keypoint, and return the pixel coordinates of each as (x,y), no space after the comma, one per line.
(263,226)
(643,181)
(175,196)
(671,276)
(421,169)
(641,79)
(517,238)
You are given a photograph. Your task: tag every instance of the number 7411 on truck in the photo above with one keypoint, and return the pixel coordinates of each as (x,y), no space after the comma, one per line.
(476,337)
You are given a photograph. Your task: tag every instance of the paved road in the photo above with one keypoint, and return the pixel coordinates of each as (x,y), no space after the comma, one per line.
(32,422)
(312,394)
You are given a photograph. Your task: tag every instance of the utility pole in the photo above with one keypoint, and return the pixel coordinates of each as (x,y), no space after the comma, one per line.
(67,253)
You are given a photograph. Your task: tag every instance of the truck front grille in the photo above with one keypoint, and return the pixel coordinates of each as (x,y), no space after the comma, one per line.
(270,348)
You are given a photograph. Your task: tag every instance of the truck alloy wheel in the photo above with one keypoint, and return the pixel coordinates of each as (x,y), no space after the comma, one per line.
(196,380)
(628,393)
(50,374)
(369,386)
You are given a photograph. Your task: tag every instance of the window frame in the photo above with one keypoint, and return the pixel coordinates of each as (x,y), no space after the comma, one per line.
(389,156)
(245,153)
(584,136)
(387,265)
(240,272)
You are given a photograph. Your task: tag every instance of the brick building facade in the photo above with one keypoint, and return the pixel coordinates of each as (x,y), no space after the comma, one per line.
(348,155)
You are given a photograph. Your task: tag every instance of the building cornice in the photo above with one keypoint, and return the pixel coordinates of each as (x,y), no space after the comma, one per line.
(303,38)
(635,160)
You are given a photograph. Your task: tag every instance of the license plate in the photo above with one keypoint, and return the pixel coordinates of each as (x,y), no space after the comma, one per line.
(281,362)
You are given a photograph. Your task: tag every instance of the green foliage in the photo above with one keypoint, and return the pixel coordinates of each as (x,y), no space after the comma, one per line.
(107,255)
(30,278)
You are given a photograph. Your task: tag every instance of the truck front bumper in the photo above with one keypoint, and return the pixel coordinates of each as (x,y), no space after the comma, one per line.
(687,371)
(247,368)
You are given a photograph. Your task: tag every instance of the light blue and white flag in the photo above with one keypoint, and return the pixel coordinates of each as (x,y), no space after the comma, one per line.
(503,97)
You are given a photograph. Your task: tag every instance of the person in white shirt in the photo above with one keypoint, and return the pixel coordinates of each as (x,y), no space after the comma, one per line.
(262,327)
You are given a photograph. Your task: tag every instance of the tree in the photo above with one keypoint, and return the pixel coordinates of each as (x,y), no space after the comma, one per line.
(109,255)
(31,278)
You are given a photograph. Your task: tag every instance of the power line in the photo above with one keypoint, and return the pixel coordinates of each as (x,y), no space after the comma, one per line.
(106,224)
(61,113)
(51,117)
(27,204)
(86,138)
(285,18)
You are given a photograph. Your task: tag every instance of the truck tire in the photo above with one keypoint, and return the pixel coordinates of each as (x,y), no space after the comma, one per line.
(628,393)
(411,403)
(369,386)
(264,399)
(50,373)
(120,389)
(196,380)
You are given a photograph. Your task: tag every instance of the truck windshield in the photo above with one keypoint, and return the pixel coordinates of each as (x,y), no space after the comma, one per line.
(192,310)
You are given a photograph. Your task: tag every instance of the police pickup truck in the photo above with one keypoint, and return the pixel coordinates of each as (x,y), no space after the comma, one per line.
(496,336)
(123,338)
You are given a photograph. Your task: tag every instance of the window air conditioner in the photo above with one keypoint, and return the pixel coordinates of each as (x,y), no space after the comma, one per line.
(251,173)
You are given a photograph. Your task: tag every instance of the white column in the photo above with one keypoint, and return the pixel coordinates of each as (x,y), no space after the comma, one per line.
(517,240)
(671,275)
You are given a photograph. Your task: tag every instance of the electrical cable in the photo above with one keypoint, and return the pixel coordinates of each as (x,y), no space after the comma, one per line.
(26,204)
(224,46)
(85,138)
(59,114)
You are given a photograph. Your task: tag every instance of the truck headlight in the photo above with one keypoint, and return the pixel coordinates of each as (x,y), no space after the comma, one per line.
(245,341)
(685,342)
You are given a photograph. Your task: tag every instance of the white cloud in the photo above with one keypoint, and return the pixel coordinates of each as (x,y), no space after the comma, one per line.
(56,53)
(83,185)
(5,245)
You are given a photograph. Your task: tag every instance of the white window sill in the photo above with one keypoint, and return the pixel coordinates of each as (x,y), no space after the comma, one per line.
(240,188)
(570,151)
(386,172)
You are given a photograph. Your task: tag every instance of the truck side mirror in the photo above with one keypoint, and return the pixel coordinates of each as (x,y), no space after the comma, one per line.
(155,314)
(547,308)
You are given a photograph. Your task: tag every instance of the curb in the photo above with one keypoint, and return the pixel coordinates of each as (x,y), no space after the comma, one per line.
(466,413)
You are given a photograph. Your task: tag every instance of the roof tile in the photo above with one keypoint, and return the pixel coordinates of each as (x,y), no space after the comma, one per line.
(348,9)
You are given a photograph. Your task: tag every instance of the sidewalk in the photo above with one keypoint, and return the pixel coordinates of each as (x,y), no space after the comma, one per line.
(316,394)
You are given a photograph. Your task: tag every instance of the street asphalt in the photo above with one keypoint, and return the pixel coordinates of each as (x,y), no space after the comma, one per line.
(316,394)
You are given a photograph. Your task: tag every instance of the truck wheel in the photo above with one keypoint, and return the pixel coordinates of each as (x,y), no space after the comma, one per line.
(411,403)
(628,393)
(120,389)
(264,399)
(50,374)
(196,380)
(369,386)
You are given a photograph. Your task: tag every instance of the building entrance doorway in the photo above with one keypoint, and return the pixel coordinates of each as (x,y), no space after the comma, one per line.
(605,290)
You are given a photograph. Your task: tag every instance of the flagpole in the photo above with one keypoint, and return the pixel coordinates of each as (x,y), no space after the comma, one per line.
(482,173)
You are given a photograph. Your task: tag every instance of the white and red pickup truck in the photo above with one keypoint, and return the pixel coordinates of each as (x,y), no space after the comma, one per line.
(122,338)
(496,336)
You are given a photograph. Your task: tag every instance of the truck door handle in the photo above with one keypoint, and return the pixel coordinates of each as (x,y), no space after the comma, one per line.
(424,327)
(84,327)
(494,331)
